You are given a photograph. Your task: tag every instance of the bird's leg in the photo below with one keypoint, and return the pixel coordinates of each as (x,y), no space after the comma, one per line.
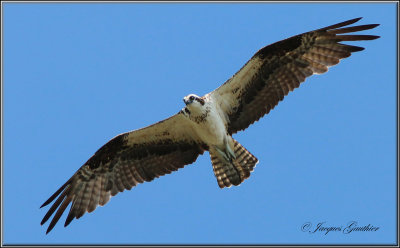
(229,150)
(226,152)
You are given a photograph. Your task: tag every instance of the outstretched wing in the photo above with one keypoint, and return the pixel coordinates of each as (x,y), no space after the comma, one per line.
(277,69)
(126,160)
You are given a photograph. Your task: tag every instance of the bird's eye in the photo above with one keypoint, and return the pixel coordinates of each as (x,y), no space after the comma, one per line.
(191,98)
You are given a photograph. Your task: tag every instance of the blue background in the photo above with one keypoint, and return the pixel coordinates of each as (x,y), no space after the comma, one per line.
(76,75)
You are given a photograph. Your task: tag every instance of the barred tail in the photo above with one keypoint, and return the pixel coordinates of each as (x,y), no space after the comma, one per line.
(233,172)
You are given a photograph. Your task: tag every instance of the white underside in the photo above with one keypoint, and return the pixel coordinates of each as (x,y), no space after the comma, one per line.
(213,130)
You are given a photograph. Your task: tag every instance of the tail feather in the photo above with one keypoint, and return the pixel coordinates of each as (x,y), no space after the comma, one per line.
(226,173)
(233,172)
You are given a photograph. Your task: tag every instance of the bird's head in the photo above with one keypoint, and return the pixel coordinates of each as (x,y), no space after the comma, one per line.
(193,100)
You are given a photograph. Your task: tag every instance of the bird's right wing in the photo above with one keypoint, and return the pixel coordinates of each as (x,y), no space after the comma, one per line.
(125,161)
(279,68)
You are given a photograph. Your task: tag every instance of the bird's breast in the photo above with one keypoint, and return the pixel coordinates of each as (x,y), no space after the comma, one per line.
(212,129)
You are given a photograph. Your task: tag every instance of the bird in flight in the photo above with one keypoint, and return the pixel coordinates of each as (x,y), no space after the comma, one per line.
(206,123)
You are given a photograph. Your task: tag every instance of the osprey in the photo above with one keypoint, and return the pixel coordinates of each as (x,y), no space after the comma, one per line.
(206,123)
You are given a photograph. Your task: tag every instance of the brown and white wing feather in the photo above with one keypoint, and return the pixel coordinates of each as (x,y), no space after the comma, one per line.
(125,161)
(279,68)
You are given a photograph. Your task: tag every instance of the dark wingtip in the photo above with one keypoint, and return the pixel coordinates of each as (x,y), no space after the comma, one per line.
(354,20)
(56,193)
(340,24)
(68,220)
(46,203)
(351,21)
(51,226)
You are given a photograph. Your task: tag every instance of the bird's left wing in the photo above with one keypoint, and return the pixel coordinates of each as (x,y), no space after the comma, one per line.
(126,160)
(277,69)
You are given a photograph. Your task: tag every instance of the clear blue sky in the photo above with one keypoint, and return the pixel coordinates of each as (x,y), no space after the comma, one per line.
(76,75)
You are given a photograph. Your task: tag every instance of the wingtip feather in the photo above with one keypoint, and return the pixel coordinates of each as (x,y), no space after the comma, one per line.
(70,217)
(341,24)
(351,21)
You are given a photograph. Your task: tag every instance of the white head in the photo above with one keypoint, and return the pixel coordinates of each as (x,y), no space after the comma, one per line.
(194,104)
(193,100)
